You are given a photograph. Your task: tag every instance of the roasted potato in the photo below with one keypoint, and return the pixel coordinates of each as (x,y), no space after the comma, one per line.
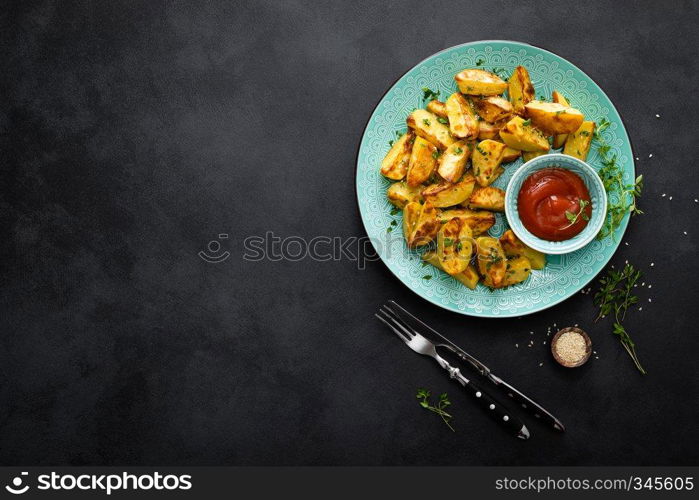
(519,134)
(426,227)
(462,118)
(553,118)
(446,194)
(578,143)
(411,212)
(514,247)
(400,194)
(520,89)
(492,262)
(510,154)
(452,162)
(479,82)
(492,108)
(423,161)
(560,139)
(486,161)
(437,107)
(528,155)
(488,198)
(426,125)
(395,163)
(455,246)
(478,220)
(517,270)
(469,277)
(487,130)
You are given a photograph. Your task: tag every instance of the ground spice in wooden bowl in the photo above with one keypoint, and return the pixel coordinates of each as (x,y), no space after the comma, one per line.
(571,347)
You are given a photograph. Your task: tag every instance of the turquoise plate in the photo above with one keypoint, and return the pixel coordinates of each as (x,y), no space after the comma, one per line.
(564,275)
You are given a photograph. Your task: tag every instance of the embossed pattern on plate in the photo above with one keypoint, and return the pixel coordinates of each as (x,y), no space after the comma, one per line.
(564,275)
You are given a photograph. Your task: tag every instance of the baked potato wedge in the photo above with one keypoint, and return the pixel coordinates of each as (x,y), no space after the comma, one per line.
(486,161)
(468,278)
(510,154)
(400,194)
(463,122)
(517,270)
(492,263)
(426,125)
(452,162)
(520,134)
(423,161)
(437,107)
(553,118)
(488,198)
(528,155)
(520,89)
(487,130)
(478,220)
(426,226)
(560,139)
(578,143)
(479,82)
(514,247)
(492,108)
(395,164)
(446,194)
(454,246)
(411,212)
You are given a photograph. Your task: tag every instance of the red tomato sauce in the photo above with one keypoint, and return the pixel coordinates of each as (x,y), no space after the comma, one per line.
(549,204)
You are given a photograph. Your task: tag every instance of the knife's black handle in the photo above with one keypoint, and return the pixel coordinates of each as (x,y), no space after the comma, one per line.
(495,410)
(529,405)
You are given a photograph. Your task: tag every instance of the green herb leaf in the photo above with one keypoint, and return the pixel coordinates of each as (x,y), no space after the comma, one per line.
(427,277)
(480,62)
(458,151)
(614,298)
(423,396)
(426,121)
(428,94)
(442,120)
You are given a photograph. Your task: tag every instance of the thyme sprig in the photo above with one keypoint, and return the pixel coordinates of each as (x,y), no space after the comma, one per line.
(580,214)
(423,395)
(614,297)
(612,177)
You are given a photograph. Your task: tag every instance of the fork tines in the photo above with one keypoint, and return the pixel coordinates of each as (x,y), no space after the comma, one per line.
(391,318)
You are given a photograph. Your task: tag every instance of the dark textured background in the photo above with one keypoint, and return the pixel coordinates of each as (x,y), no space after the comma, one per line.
(133,134)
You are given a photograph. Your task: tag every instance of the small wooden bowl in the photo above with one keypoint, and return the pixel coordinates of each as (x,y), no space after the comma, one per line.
(588,347)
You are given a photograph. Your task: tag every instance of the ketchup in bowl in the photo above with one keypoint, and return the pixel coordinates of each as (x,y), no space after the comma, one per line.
(554,204)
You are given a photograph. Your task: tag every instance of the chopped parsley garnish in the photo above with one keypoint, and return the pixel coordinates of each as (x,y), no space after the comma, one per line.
(526,123)
(428,94)
(458,151)
(442,120)
(436,154)
(427,277)
(426,121)
(448,242)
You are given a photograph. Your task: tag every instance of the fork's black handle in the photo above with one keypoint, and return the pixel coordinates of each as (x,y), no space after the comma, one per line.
(495,410)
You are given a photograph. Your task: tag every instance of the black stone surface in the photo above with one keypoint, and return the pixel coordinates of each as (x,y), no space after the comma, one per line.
(132,134)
